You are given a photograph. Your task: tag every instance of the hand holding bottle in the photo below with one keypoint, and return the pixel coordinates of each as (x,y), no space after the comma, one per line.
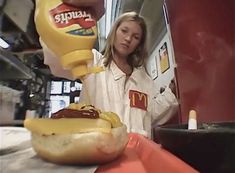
(69,32)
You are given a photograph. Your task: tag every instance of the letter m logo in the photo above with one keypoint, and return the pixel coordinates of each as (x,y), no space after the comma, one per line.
(138,99)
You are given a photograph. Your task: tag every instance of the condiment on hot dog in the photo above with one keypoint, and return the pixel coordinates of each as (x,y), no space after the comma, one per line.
(79,134)
(77,113)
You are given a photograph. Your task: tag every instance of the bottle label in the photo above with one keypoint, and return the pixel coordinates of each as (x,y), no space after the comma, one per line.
(64,16)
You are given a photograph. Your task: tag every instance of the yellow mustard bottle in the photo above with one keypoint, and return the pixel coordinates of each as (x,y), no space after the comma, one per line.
(70,32)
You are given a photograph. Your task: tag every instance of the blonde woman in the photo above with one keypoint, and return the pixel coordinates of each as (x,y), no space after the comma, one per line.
(124,87)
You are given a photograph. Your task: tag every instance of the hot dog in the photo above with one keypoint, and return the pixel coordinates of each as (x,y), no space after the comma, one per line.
(79,134)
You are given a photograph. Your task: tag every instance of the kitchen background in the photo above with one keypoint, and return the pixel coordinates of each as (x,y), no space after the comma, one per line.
(190,42)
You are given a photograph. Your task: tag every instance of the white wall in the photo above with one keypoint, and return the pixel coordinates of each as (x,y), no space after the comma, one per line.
(153,64)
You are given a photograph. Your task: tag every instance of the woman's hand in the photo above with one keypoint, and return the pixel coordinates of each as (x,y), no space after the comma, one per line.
(96,5)
(172,86)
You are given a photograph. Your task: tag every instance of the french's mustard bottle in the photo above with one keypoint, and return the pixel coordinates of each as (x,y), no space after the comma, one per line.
(70,32)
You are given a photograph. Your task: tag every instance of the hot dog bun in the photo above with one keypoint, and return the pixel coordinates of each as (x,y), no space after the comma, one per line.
(81,141)
(81,148)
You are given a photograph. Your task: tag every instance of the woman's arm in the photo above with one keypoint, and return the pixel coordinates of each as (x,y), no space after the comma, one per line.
(53,62)
(165,106)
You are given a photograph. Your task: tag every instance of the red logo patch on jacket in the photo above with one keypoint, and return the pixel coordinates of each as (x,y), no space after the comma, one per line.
(138,99)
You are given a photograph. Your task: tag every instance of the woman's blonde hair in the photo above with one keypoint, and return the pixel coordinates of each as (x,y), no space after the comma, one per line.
(138,57)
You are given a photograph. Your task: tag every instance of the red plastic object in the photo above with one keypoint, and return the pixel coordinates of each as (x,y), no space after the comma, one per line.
(144,156)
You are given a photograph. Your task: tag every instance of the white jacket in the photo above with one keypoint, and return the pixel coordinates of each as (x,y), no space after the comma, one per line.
(135,99)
